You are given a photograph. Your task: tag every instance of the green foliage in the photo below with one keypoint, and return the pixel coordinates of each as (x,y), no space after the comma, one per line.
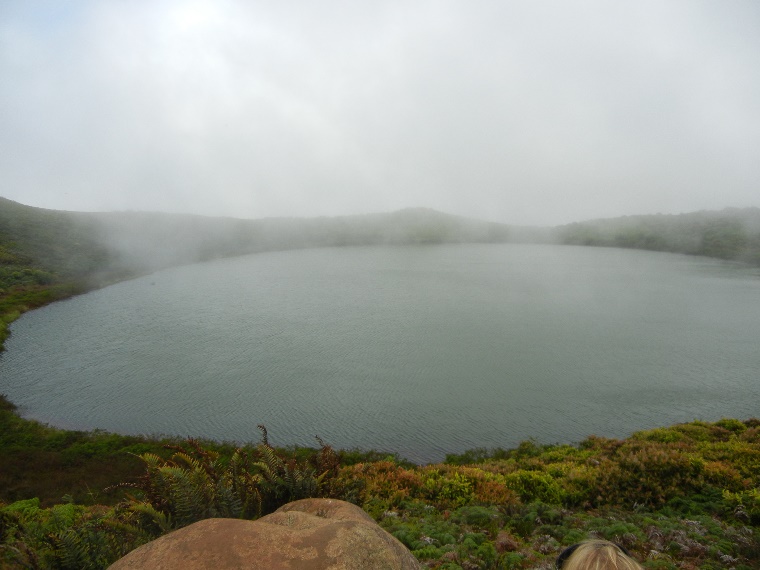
(354,456)
(454,490)
(44,462)
(658,493)
(525,449)
(535,486)
(65,536)
(723,238)
(648,474)
(741,455)
(193,483)
(660,435)
(745,505)
(475,515)
(732,425)
(196,483)
(730,234)
(473,456)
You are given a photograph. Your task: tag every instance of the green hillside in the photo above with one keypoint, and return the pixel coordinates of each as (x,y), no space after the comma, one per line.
(732,234)
(78,245)
(46,255)
(150,240)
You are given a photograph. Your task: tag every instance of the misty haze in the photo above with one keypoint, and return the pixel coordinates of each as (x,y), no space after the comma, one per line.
(503,256)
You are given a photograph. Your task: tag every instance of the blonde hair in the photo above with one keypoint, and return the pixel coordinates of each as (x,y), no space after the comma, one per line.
(599,555)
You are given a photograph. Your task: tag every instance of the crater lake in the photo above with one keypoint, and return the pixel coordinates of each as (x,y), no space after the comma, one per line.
(420,350)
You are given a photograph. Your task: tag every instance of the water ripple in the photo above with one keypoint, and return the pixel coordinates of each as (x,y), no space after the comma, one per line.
(418,350)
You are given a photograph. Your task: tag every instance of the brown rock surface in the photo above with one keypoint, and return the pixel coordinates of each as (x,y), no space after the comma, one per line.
(312,534)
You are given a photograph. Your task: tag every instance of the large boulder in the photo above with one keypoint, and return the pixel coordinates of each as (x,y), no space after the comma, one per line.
(312,534)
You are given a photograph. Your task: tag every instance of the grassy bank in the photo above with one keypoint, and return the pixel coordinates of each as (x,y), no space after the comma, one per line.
(48,463)
(687,496)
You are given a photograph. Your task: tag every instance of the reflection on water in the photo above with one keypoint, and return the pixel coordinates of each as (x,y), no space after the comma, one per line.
(420,350)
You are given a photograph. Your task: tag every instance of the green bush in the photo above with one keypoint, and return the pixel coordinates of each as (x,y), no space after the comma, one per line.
(731,425)
(451,490)
(197,483)
(745,505)
(475,516)
(534,486)
(648,473)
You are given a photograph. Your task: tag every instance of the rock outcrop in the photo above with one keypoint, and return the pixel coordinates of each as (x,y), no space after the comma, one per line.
(312,534)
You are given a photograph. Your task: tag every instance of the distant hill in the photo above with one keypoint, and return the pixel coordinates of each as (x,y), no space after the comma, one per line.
(49,254)
(47,240)
(732,234)
(39,247)
(82,244)
(151,240)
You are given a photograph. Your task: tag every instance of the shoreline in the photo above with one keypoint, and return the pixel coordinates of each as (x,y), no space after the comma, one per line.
(388,441)
(684,494)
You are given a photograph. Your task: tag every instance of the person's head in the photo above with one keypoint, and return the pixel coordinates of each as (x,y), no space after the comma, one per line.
(596,555)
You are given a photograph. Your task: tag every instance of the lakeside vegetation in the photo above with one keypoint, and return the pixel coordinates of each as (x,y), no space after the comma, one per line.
(731,234)
(687,496)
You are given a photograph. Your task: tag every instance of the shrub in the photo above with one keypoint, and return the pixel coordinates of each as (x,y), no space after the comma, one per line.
(579,485)
(647,473)
(387,481)
(511,560)
(742,455)
(751,435)
(196,483)
(745,505)
(471,456)
(534,486)
(703,432)
(723,475)
(475,516)
(452,490)
(494,492)
(731,425)
(660,435)
(65,536)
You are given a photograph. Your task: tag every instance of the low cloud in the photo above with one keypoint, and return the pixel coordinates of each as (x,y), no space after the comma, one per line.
(528,113)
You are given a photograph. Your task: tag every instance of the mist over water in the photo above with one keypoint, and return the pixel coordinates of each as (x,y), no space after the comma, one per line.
(420,350)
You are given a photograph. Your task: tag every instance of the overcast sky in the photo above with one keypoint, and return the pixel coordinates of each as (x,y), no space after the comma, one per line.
(530,112)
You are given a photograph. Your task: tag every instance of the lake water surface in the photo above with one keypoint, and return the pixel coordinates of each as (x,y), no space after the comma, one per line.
(420,350)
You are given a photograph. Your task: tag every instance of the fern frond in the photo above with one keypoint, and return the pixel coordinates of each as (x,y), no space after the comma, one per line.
(264,434)
(162,520)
